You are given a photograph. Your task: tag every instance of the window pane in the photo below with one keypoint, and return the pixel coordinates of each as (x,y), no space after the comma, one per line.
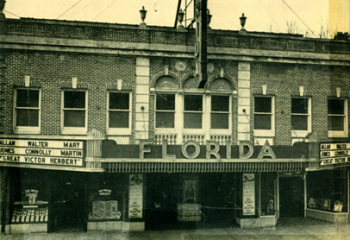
(27,98)
(262,121)
(27,117)
(299,122)
(74,99)
(193,102)
(192,120)
(118,119)
(119,100)
(219,121)
(335,123)
(220,103)
(299,105)
(165,120)
(74,118)
(262,104)
(165,102)
(335,106)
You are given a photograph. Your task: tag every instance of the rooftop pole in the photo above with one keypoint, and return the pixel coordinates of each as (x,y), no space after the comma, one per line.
(200,54)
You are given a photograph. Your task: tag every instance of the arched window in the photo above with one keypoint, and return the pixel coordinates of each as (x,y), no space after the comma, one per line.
(165,102)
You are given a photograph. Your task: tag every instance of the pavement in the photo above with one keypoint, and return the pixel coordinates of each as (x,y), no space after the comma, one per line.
(299,230)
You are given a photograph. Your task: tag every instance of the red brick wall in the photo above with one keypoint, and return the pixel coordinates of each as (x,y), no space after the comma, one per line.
(283,81)
(49,70)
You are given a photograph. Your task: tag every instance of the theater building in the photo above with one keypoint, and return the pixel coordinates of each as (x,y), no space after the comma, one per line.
(103,127)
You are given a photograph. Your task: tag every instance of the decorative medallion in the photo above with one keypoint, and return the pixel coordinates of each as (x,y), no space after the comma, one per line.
(180,66)
(210,67)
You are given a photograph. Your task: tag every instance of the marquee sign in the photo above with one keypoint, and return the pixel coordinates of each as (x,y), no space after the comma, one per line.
(67,153)
(334,153)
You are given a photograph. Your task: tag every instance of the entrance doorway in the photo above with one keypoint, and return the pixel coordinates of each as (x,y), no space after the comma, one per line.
(68,207)
(218,198)
(291,190)
(161,198)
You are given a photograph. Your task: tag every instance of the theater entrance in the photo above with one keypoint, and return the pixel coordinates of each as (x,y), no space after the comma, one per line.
(161,201)
(291,196)
(188,201)
(68,205)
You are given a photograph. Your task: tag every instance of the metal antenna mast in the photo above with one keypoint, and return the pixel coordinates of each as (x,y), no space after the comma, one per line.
(200,8)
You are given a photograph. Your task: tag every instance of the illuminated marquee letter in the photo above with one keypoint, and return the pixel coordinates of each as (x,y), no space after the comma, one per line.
(215,151)
(250,152)
(164,150)
(266,151)
(143,149)
(196,151)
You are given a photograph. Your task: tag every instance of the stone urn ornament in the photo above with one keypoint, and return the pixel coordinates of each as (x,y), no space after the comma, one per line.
(208,18)
(180,19)
(2,6)
(143,13)
(243,21)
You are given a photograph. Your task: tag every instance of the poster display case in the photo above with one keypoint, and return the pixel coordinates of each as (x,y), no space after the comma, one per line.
(327,193)
(189,210)
(30,216)
(105,208)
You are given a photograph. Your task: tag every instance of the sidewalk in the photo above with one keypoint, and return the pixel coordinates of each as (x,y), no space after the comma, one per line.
(300,231)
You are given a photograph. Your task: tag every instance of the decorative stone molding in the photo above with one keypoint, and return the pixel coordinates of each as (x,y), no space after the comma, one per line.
(166,82)
(190,83)
(80,85)
(230,80)
(21,83)
(161,74)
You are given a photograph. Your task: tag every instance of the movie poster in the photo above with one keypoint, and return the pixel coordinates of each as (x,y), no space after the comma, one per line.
(135,195)
(248,194)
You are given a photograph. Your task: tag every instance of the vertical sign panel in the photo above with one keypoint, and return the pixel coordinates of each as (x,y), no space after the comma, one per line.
(135,195)
(248,194)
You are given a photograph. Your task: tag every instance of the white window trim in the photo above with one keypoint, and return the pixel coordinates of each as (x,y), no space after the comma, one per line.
(74,130)
(119,131)
(176,113)
(340,134)
(303,133)
(271,132)
(194,130)
(227,131)
(25,129)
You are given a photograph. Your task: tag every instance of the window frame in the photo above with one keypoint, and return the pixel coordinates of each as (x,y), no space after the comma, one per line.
(119,131)
(74,130)
(26,129)
(344,133)
(175,111)
(265,132)
(221,131)
(302,133)
(194,130)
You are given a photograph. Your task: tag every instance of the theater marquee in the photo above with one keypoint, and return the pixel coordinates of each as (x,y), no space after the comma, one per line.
(334,153)
(63,153)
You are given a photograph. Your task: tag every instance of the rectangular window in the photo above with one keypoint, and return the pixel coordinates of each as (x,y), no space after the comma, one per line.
(74,108)
(337,118)
(262,113)
(119,113)
(300,119)
(165,111)
(27,111)
(220,112)
(264,120)
(193,111)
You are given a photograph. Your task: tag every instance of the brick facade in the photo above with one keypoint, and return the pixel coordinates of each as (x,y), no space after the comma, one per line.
(283,81)
(54,71)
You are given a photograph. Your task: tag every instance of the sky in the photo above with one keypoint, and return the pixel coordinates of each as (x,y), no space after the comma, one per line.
(262,15)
